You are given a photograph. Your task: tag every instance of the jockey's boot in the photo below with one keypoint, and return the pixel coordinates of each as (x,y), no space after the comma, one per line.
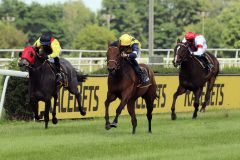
(58,74)
(207,63)
(144,79)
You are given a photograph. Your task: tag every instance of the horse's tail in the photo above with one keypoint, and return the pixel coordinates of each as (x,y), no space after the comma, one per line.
(151,74)
(81,77)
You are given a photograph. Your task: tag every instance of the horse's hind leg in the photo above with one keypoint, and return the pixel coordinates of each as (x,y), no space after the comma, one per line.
(207,96)
(74,90)
(54,118)
(197,95)
(179,91)
(46,112)
(131,111)
(110,98)
(149,102)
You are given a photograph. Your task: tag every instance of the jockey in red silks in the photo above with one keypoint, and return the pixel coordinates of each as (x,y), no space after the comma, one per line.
(51,49)
(198,46)
(131,48)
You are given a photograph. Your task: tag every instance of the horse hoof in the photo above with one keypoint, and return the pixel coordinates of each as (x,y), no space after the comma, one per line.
(202,109)
(194,117)
(83,113)
(54,120)
(107,127)
(113,125)
(174,116)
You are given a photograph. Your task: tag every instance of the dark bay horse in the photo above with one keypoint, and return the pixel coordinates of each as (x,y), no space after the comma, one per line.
(192,76)
(122,84)
(42,82)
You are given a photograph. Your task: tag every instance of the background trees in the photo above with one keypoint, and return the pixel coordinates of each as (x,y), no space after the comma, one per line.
(74,24)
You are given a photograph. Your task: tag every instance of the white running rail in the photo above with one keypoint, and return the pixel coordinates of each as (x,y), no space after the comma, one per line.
(9,73)
(80,61)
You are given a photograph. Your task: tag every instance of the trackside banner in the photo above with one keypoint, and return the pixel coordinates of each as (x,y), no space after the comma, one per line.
(225,95)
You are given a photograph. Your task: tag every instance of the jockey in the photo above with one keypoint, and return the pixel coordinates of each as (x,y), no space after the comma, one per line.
(50,48)
(198,46)
(130,48)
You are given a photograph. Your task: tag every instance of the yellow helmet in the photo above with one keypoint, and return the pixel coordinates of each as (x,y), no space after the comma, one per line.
(125,40)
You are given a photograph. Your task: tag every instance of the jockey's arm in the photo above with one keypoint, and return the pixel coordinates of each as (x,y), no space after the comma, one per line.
(136,50)
(199,52)
(56,49)
(199,44)
(37,43)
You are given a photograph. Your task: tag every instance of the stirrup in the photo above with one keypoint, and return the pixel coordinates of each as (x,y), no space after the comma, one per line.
(59,78)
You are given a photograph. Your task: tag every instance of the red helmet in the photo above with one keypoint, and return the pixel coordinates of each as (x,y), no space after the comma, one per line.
(190,36)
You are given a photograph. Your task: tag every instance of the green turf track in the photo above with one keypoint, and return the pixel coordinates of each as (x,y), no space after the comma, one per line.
(215,135)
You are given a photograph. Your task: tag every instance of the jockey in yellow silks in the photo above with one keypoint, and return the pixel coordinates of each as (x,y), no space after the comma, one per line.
(51,49)
(131,48)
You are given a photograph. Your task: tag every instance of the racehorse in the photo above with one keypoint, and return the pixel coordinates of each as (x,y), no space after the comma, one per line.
(122,84)
(193,76)
(42,82)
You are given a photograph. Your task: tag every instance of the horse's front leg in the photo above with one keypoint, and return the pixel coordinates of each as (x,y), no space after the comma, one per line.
(54,118)
(46,112)
(197,95)
(126,95)
(34,105)
(110,97)
(179,91)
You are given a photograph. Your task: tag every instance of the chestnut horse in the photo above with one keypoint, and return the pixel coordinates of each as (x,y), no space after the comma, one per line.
(193,76)
(122,84)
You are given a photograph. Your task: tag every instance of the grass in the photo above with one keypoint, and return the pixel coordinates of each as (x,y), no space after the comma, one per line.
(214,135)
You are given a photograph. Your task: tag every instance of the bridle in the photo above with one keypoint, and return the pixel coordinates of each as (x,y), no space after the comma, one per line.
(114,60)
(185,56)
(36,61)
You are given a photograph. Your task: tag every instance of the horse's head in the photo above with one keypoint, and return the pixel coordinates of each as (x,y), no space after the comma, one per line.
(113,59)
(27,58)
(181,52)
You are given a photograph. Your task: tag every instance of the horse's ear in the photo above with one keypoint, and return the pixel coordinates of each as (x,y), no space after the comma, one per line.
(178,40)
(109,43)
(119,44)
(20,54)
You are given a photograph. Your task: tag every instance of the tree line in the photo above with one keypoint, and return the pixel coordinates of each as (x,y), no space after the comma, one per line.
(77,27)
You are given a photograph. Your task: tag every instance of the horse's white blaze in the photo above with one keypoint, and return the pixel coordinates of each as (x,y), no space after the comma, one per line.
(175,59)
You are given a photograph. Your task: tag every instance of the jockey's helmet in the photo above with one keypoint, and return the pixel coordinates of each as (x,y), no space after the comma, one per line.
(45,39)
(125,40)
(190,36)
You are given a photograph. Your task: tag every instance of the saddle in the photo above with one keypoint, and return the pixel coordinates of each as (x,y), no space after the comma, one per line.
(64,80)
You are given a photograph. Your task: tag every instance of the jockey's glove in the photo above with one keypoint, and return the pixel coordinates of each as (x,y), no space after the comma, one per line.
(124,55)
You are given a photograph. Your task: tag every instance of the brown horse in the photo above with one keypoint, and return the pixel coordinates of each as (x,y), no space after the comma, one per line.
(193,76)
(122,84)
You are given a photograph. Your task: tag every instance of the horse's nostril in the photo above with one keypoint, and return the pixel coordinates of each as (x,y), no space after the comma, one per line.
(20,64)
(110,68)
